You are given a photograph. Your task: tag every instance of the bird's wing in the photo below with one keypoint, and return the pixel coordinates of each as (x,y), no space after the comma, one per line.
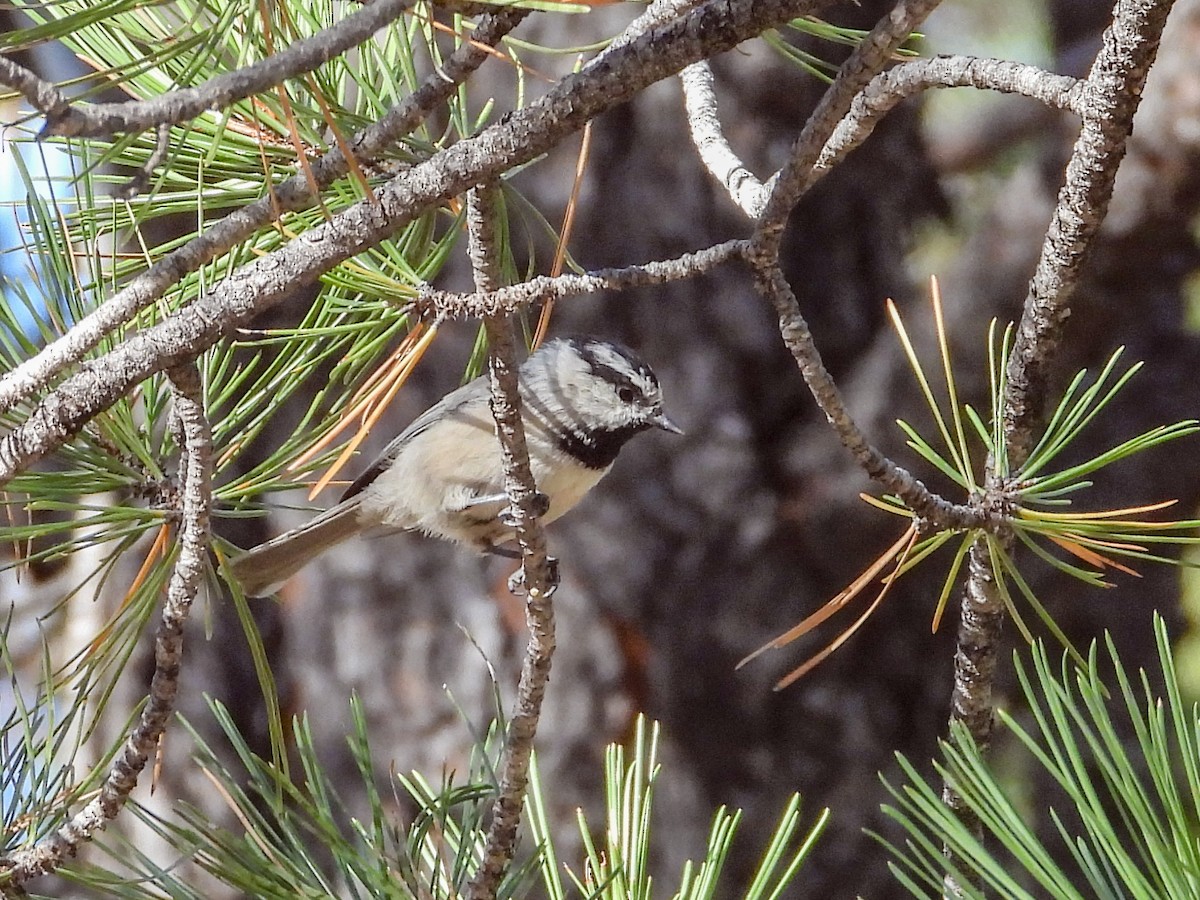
(470,392)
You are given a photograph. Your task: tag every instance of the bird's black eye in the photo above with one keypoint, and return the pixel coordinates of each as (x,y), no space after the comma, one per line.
(625,394)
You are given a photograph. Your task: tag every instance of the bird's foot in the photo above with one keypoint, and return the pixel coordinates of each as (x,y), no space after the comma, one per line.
(539,506)
(517,584)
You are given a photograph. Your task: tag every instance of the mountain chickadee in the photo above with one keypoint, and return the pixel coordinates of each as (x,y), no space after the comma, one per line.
(581,401)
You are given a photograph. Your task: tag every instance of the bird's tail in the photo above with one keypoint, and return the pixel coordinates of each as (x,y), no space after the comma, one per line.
(262,570)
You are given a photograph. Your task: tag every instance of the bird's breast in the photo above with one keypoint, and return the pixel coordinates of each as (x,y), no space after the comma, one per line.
(565,483)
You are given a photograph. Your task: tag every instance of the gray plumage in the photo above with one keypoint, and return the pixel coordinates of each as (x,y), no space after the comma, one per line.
(581,401)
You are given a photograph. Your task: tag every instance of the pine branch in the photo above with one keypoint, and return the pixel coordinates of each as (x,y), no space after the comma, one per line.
(538,575)
(907,79)
(704,125)
(41,94)
(296,193)
(525,134)
(140,181)
(1111,95)
(658,13)
(1110,98)
(935,511)
(188,575)
(871,55)
(884,92)
(183,105)
(794,179)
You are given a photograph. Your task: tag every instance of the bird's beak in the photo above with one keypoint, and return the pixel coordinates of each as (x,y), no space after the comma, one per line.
(661,421)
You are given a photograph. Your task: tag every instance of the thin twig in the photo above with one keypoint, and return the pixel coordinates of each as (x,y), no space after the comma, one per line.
(447,305)
(293,194)
(538,578)
(524,134)
(704,125)
(907,79)
(188,575)
(870,56)
(141,181)
(183,105)
(884,92)
(798,174)
(934,510)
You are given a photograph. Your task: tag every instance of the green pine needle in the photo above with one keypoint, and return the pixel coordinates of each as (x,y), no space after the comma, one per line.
(1131,805)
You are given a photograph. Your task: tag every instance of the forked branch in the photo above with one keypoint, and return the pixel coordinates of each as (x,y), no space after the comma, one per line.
(710,28)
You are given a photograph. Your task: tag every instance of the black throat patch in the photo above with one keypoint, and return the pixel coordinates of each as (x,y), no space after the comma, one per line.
(597,449)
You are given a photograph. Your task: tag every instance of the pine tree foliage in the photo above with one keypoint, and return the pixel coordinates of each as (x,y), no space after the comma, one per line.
(1123,751)
(102,212)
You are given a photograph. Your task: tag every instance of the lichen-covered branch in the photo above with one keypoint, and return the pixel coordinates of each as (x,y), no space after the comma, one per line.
(433,303)
(660,12)
(538,578)
(1110,99)
(188,575)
